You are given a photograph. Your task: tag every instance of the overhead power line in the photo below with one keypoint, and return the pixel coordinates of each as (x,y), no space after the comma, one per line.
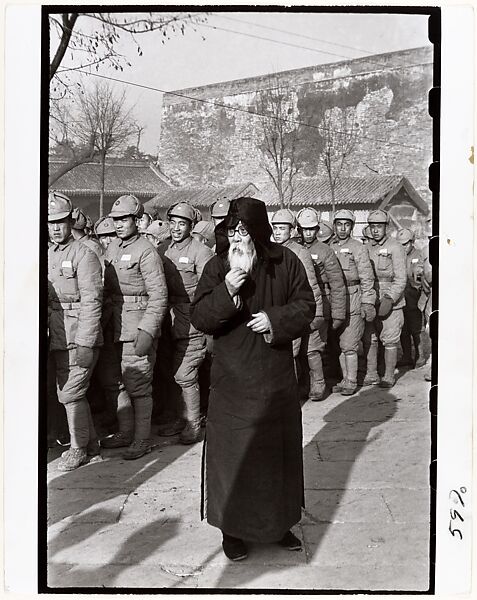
(244,110)
(283,43)
(292,33)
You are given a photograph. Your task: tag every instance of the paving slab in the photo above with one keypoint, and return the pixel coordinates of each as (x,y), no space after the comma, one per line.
(402,577)
(366,474)
(88,506)
(171,504)
(345,506)
(408,506)
(366,543)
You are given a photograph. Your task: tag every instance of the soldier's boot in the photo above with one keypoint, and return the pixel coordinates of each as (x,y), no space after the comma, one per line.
(191,398)
(424,349)
(92,449)
(78,425)
(142,428)
(125,415)
(420,359)
(390,359)
(372,377)
(339,386)
(351,381)
(317,380)
(406,358)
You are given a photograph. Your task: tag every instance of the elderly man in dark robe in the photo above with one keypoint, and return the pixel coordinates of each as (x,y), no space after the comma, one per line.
(254,298)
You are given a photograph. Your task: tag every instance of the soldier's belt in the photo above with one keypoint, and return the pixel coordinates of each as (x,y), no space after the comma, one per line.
(386,278)
(353,282)
(55,305)
(129,299)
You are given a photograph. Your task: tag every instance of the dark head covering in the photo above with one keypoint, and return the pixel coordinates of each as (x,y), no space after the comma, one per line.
(253,214)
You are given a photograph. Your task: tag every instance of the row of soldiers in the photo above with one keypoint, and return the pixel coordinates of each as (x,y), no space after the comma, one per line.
(121,293)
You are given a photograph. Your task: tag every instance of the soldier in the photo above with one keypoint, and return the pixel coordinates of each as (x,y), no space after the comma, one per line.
(425,301)
(328,272)
(105,232)
(184,261)
(309,346)
(219,210)
(412,328)
(79,232)
(204,232)
(136,294)
(325,232)
(360,297)
(389,263)
(75,292)
(158,232)
(144,222)
(366,236)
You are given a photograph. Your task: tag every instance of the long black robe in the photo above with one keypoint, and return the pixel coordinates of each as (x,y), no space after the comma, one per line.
(253,452)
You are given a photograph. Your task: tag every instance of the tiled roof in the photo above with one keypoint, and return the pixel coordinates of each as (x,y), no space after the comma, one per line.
(200,196)
(376,190)
(120,178)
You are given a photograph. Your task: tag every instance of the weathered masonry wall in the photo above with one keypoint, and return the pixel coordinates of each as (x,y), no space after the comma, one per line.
(205,144)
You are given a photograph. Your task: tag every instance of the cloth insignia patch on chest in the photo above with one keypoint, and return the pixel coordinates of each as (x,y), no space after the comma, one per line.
(414,260)
(314,256)
(384,252)
(184,259)
(126,257)
(66,263)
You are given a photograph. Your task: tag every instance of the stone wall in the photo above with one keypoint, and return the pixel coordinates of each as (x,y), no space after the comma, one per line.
(202,143)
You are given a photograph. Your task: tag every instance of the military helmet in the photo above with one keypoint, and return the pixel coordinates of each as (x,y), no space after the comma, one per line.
(59,206)
(204,228)
(378,216)
(184,210)
(325,232)
(405,235)
(125,206)
(367,233)
(345,214)
(158,229)
(220,208)
(79,219)
(308,217)
(284,215)
(104,226)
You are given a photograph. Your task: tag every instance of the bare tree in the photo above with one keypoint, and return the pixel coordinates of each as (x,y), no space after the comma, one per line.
(339,133)
(91,39)
(280,139)
(101,124)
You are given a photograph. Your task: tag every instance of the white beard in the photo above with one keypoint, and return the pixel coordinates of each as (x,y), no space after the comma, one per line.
(243,256)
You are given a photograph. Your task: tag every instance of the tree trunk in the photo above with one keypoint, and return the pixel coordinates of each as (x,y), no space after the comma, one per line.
(333,205)
(101,193)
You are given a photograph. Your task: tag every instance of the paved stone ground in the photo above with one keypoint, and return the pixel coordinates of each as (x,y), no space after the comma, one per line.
(121,523)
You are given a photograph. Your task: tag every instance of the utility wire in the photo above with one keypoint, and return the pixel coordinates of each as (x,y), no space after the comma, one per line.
(250,112)
(292,33)
(283,43)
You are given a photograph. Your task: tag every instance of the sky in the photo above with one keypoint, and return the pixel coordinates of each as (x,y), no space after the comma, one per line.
(234,45)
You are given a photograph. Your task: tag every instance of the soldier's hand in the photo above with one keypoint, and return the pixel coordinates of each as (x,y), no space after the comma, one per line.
(385,307)
(337,323)
(234,280)
(84,357)
(368,312)
(143,343)
(259,323)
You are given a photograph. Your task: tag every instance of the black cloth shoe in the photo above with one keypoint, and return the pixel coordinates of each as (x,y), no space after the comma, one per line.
(290,541)
(234,548)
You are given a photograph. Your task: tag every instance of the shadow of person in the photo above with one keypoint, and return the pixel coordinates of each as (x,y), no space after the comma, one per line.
(132,553)
(347,432)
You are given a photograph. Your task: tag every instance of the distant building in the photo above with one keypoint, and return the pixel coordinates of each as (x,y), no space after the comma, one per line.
(200,197)
(82,184)
(213,139)
(393,193)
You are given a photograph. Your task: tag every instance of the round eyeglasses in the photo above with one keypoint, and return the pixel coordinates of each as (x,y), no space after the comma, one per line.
(241,230)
